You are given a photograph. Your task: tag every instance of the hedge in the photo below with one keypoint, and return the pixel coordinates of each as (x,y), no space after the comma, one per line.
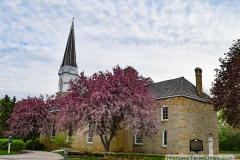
(38,146)
(15,146)
(18,145)
(3,144)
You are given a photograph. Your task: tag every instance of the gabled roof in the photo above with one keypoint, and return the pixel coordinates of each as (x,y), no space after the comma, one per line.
(176,87)
(69,58)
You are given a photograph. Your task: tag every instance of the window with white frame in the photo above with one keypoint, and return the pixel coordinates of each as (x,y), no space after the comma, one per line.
(89,137)
(164,138)
(138,140)
(69,136)
(53,131)
(164,113)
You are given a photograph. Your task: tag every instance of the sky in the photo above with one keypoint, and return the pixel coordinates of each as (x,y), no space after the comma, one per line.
(161,39)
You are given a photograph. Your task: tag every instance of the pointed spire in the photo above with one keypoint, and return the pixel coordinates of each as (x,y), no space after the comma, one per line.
(69,58)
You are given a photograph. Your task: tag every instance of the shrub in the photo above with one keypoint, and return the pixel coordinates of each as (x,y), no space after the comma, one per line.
(229,137)
(60,140)
(3,144)
(18,145)
(84,154)
(38,146)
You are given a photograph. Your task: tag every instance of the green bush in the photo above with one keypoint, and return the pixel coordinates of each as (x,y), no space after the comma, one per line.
(229,137)
(38,146)
(18,145)
(15,146)
(3,144)
(61,140)
(84,154)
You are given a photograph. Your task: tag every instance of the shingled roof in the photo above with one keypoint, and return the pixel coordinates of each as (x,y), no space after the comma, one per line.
(175,88)
(69,58)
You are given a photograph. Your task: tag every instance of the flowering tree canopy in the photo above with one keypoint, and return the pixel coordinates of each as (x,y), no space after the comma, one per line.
(31,117)
(106,100)
(226,86)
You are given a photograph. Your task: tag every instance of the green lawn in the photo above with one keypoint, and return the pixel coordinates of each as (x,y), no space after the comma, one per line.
(5,152)
(97,156)
(132,156)
(230,152)
(121,157)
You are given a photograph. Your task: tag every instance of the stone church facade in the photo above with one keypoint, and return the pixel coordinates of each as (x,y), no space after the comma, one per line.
(184,111)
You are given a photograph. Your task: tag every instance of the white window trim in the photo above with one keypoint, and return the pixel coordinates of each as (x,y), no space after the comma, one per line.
(89,142)
(162,113)
(163,138)
(135,140)
(53,127)
(69,136)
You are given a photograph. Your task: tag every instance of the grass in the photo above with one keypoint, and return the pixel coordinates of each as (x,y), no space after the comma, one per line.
(97,156)
(123,158)
(81,158)
(230,152)
(5,152)
(131,156)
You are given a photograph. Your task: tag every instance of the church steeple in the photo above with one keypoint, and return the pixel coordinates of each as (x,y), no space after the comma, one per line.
(69,58)
(68,69)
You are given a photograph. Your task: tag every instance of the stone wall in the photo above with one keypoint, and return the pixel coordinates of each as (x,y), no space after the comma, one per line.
(188,119)
(80,143)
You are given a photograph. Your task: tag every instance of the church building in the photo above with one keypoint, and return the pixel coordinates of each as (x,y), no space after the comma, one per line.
(184,110)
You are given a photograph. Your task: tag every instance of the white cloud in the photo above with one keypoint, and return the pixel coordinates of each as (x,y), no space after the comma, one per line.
(161,39)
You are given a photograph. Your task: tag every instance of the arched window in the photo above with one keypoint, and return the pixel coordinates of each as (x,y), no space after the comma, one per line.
(61,84)
(164,138)
(164,113)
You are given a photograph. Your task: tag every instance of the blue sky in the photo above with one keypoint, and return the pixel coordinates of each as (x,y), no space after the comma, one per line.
(161,39)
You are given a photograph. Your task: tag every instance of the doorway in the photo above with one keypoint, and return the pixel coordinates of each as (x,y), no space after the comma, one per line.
(210,142)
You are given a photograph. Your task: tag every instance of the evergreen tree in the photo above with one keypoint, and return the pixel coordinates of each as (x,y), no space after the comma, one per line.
(6,108)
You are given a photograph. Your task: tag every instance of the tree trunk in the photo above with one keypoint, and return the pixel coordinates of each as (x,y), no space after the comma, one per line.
(107,146)
(33,144)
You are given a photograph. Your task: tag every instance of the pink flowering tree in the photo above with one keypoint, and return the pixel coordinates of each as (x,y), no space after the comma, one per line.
(106,100)
(31,117)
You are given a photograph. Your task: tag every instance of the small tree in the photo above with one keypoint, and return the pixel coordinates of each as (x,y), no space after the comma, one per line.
(105,100)
(61,140)
(30,117)
(6,108)
(226,86)
(229,138)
